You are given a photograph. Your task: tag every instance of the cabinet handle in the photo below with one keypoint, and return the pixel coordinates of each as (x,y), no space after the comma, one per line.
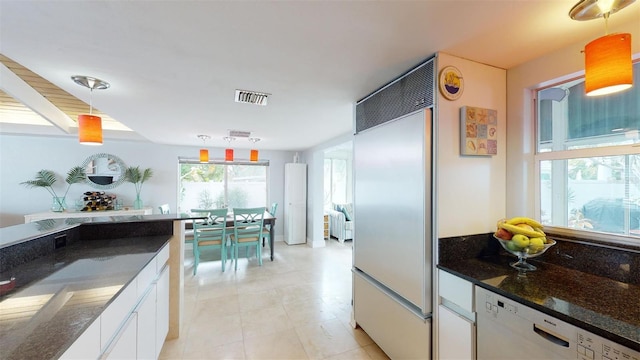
(550,337)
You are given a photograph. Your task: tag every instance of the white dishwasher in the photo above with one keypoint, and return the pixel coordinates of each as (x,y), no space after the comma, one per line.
(509,330)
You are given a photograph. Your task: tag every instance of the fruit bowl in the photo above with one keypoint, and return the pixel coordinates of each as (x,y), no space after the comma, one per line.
(524,253)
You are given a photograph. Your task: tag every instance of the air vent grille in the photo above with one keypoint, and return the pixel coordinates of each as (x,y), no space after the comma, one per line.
(251,97)
(413,91)
(239,133)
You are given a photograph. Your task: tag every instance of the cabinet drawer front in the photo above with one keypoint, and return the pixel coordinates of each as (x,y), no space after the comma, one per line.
(87,346)
(115,314)
(146,277)
(162,258)
(456,290)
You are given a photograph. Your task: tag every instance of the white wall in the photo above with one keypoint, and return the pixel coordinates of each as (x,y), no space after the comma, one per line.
(470,189)
(22,156)
(560,65)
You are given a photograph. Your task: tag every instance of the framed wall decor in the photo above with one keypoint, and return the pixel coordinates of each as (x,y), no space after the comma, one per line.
(478,131)
(451,83)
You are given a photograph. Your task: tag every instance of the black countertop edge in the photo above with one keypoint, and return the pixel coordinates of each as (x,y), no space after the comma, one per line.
(12,235)
(617,338)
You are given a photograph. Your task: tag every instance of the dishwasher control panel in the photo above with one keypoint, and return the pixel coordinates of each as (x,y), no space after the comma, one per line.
(563,339)
(592,346)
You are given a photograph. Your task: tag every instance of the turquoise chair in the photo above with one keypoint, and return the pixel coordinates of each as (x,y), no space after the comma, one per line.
(248,228)
(210,233)
(267,229)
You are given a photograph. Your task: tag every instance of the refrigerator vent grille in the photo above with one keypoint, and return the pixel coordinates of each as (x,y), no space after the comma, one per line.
(412,91)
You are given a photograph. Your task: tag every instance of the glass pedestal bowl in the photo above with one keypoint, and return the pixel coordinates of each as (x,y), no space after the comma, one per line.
(524,253)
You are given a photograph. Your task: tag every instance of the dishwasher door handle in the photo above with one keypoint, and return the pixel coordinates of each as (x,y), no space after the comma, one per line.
(550,337)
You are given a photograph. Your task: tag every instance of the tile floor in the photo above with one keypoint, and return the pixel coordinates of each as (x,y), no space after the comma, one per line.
(296,307)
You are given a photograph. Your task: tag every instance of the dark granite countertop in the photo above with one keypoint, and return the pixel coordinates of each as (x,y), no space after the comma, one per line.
(12,235)
(36,324)
(599,304)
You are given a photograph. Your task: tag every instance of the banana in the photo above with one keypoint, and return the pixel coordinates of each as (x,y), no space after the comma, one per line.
(524,220)
(520,230)
(539,229)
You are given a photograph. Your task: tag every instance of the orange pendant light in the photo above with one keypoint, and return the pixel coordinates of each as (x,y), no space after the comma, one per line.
(253,155)
(90,126)
(89,130)
(608,65)
(204,153)
(228,154)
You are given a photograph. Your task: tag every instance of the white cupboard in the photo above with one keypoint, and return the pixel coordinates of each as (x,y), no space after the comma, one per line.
(123,346)
(295,203)
(146,325)
(456,318)
(136,323)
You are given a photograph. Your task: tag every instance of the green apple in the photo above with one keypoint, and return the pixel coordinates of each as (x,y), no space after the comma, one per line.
(520,240)
(512,246)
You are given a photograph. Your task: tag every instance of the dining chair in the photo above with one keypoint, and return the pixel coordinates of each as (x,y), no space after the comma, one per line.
(164,209)
(248,228)
(267,228)
(210,232)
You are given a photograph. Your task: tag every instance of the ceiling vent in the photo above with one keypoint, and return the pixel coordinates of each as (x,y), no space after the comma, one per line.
(239,133)
(251,97)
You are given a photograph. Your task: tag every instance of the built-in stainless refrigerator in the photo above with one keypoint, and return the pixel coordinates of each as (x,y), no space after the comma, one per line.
(392,245)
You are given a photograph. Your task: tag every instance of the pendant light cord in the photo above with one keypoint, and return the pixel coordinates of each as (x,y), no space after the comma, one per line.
(90,101)
(606,23)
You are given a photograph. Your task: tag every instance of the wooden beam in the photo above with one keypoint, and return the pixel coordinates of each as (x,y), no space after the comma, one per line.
(21,91)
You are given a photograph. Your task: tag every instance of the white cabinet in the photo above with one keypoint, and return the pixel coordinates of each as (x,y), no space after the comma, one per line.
(456,335)
(146,325)
(162,309)
(87,346)
(295,203)
(113,316)
(123,346)
(456,318)
(136,323)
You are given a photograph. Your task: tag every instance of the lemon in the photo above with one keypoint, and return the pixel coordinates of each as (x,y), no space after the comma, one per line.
(536,245)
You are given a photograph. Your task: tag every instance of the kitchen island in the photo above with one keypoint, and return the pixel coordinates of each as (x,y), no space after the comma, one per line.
(61,275)
(605,303)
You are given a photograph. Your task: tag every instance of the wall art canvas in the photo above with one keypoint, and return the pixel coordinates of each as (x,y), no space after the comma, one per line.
(478,131)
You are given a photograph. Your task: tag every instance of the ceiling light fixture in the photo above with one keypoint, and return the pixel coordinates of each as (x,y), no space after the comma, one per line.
(204,153)
(89,125)
(608,64)
(253,154)
(228,152)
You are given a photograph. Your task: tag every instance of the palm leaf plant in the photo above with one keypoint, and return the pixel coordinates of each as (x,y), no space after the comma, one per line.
(137,177)
(46,178)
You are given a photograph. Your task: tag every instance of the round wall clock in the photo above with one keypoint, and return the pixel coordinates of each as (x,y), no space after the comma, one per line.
(451,83)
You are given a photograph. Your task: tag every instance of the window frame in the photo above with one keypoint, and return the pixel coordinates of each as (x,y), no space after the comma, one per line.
(551,155)
(193,161)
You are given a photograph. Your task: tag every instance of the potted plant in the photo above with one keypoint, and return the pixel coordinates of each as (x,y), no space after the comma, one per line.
(137,176)
(46,178)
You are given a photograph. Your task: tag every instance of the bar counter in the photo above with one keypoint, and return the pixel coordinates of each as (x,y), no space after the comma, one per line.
(59,275)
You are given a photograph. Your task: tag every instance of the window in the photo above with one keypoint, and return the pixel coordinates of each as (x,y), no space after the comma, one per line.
(335,182)
(218,185)
(588,158)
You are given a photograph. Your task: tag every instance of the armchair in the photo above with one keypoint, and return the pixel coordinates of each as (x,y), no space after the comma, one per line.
(339,226)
